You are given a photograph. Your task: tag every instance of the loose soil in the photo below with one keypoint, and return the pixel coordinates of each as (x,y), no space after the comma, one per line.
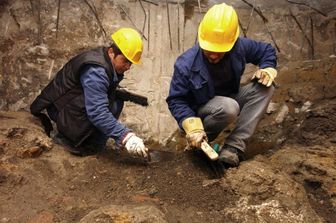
(69,187)
(39,181)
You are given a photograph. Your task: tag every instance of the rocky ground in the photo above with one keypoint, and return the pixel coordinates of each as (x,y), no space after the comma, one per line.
(290,171)
(289,176)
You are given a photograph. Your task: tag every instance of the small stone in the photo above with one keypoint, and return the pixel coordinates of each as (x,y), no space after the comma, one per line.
(305,107)
(284,110)
(31,152)
(152,192)
(4,220)
(43,217)
(272,107)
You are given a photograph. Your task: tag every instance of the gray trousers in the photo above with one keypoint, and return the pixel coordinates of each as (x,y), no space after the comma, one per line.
(246,108)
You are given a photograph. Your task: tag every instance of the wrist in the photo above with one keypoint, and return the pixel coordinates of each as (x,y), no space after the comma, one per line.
(192,125)
(272,72)
(126,138)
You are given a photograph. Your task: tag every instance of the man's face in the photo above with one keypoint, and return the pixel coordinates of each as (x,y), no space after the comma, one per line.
(213,57)
(120,62)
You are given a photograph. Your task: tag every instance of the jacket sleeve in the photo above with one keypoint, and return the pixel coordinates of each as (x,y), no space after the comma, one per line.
(259,53)
(95,83)
(178,98)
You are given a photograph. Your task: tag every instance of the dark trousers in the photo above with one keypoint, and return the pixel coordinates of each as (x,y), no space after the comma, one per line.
(95,142)
(245,109)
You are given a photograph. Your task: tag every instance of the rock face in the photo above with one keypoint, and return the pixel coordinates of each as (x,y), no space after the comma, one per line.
(267,195)
(312,167)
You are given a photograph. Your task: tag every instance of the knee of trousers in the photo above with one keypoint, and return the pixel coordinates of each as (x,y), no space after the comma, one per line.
(227,111)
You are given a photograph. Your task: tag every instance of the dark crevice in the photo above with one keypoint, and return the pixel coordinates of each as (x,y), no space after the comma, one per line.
(319,200)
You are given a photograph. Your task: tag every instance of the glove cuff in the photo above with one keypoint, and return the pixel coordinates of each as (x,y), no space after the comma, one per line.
(127,137)
(192,124)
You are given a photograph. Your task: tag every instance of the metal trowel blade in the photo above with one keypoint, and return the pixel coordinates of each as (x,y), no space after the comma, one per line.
(155,156)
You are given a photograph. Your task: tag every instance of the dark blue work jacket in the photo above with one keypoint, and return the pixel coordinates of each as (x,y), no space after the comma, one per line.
(191,85)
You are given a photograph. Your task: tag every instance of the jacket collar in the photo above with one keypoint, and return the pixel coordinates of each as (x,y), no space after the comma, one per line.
(198,65)
(198,61)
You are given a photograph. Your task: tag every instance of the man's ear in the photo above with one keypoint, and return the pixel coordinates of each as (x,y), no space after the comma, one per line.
(110,53)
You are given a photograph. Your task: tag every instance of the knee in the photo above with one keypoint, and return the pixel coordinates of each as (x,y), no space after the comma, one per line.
(228,110)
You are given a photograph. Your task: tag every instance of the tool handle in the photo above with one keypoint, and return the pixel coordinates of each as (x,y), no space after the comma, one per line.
(126,95)
(149,157)
(209,151)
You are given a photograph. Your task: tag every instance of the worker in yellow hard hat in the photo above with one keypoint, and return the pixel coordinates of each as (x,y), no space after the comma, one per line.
(205,95)
(81,99)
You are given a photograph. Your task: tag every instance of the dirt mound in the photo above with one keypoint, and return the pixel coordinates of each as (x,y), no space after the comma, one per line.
(41,182)
(70,187)
(319,125)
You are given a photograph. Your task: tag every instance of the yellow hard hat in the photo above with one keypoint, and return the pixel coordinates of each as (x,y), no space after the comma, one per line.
(129,42)
(219,29)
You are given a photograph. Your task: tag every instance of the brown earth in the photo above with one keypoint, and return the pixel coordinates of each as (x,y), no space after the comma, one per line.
(37,179)
(290,171)
(41,182)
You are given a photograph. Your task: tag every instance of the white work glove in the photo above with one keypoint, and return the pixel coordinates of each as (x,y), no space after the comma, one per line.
(135,146)
(265,76)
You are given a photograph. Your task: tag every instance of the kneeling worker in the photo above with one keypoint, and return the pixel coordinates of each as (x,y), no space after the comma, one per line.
(205,95)
(81,99)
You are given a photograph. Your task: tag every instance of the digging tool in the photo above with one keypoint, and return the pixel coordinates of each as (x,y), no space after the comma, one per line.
(155,156)
(124,94)
(209,151)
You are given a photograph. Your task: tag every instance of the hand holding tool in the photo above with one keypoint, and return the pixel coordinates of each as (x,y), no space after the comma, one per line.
(135,145)
(194,129)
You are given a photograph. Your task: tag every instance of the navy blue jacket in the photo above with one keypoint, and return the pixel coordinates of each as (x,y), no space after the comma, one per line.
(191,85)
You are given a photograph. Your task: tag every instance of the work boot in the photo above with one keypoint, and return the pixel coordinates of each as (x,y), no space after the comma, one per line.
(63,141)
(230,155)
(83,150)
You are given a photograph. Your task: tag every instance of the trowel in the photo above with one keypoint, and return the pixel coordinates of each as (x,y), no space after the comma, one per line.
(155,156)
(209,151)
